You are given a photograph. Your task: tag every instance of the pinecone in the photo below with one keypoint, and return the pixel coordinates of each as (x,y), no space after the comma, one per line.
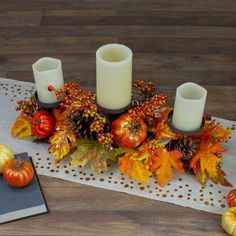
(187,147)
(81,126)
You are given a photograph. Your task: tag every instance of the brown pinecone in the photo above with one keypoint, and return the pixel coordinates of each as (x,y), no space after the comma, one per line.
(81,126)
(188,147)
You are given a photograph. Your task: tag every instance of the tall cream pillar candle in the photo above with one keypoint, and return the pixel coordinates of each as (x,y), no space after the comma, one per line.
(113,76)
(189,106)
(48,72)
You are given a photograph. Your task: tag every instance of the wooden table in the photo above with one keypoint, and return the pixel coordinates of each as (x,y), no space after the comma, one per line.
(173,42)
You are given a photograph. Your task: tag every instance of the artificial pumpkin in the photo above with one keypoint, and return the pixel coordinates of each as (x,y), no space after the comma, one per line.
(43,124)
(6,155)
(18,173)
(231,198)
(128,132)
(228,221)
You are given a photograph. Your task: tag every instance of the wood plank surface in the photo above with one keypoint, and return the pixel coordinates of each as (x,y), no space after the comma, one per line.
(173,42)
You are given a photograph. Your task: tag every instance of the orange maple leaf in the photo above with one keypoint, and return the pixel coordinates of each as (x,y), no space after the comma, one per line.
(162,131)
(60,114)
(134,167)
(163,164)
(206,133)
(214,131)
(164,113)
(206,160)
(221,134)
(125,164)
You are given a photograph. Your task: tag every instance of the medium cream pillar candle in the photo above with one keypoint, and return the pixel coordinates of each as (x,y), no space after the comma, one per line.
(47,72)
(113,76)
(189,106)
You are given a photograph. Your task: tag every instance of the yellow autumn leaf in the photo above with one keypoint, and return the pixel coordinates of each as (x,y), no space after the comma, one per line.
(22,127)
(221,134)
(134,167)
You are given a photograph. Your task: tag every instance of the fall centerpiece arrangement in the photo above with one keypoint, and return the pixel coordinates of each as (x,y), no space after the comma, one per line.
(140,140)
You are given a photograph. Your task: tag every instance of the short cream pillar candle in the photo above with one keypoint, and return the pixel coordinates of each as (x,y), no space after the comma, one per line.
(114,76)
(189,106)
(48,72)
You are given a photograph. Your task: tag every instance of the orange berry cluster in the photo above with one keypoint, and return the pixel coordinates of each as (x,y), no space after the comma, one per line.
(82,103)
(148,107)
(106,140)
(145,89)
(97,126)
(73,98)
(28,107)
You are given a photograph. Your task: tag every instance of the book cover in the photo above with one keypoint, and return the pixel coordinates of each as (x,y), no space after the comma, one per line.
(17,203)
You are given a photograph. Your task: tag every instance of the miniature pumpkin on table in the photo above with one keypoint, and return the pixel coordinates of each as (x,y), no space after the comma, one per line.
(6,155)
(18,173)
(231,198)
(229,221)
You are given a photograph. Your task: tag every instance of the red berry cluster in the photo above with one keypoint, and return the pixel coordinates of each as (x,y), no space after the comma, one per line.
(28,107)
(148,107)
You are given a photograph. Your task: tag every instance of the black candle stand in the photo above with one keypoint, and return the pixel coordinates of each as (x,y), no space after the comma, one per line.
(45,105)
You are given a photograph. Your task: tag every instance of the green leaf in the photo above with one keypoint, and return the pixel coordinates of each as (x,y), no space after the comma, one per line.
(91,151)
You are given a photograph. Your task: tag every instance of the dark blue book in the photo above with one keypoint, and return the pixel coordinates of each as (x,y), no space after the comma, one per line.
(17,203)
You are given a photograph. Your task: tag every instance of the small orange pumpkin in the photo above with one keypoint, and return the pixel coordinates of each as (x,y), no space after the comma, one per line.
(231,198)
(128,132)
(18,173)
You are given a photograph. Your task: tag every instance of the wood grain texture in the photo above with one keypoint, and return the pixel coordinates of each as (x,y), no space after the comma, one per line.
(173,42)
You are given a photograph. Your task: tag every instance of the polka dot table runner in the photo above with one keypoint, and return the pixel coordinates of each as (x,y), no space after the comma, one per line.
(183,190)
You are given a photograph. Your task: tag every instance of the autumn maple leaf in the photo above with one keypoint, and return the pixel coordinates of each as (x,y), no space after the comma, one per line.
(163,164)
(221,134)
(162,131)
(206,133)
(164,113)
(207,162)
(22,127)
(214,131)
(206,155)
(129,164)
(93,152)
(62,142)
